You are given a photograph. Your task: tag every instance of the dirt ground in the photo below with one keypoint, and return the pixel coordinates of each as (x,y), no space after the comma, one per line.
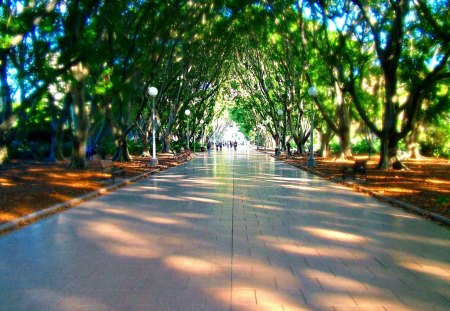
(26,187)
(425,183)
(32,186)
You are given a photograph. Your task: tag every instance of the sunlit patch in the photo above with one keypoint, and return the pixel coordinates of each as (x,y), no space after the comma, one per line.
(427,269)
(208,182)
(118,241)
(269,208)
(192,215)
(301,250)
(299,187)
(6,216)
(203,200)
(332,234)
(331,282)
(264,299)
(404,216)
(189,264)
(437,181)
(163,220)
(6,182)
(396,190)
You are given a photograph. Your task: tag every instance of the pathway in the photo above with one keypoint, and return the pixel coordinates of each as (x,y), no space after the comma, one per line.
(230,231)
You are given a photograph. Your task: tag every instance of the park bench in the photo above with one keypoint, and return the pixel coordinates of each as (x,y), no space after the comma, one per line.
(181,156)
(293,153)
(108,167)
(359,167)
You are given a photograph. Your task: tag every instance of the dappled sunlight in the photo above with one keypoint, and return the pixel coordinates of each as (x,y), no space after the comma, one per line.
(292,247)
(202,200)
(188,264)
(120,242)
(269,208)
(164,221)
(6,182)
(300,187)
(192,215)
(330,282)
(333,234)
(81,185)
(430,269)
(437,181)
(248,297)
(396,190)
(206,181)
(407,216)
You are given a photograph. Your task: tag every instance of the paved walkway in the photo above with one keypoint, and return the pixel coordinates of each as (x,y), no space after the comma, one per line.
(232,231)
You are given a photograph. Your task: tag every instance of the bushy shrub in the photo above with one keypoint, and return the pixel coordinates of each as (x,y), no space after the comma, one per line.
(365,146)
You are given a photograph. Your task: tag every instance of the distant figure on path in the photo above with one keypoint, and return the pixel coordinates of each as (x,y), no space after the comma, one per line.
(235,145)
(288,148)
(208,146)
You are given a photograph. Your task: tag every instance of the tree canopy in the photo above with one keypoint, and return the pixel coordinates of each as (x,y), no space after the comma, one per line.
(75,73)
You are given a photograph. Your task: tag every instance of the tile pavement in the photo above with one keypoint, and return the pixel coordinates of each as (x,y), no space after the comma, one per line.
(228,231)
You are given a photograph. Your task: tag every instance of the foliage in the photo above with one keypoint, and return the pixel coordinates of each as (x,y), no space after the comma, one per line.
(85,66)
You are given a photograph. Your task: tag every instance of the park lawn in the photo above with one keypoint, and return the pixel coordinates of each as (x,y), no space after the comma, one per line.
(32,186)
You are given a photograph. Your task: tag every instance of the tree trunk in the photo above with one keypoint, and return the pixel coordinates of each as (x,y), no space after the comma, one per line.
(5,99)
(122,154)
(412,144)
(145,144)
(388,153)
(325,143)
(56,153)
(344,142)
(80,126)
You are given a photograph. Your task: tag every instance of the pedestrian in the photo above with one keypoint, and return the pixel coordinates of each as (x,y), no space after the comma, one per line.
(288,148)
(235,145)
(208,146)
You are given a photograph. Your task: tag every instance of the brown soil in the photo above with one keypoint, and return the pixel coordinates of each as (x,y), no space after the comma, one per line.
(29,187)
(425,183)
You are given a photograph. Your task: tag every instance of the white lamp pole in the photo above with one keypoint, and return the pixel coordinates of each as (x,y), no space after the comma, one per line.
(187,112)
(280,113)
(312,91)
(153,91)
(201,134)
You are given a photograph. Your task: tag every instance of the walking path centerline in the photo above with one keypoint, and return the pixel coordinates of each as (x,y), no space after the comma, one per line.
(228,231)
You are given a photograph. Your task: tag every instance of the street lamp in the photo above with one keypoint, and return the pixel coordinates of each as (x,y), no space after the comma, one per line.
(201,135)
(312,91)
(280,113)
(153,91)
(187,112)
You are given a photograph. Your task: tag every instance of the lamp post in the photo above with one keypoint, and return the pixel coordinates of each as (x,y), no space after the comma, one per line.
(312,91)
(153,91)
(280,113)
(201,134)
(187,112)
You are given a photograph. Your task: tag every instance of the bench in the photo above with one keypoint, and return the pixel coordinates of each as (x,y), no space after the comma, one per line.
(109,168)
(293,153)
(359,167)
(181,156)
